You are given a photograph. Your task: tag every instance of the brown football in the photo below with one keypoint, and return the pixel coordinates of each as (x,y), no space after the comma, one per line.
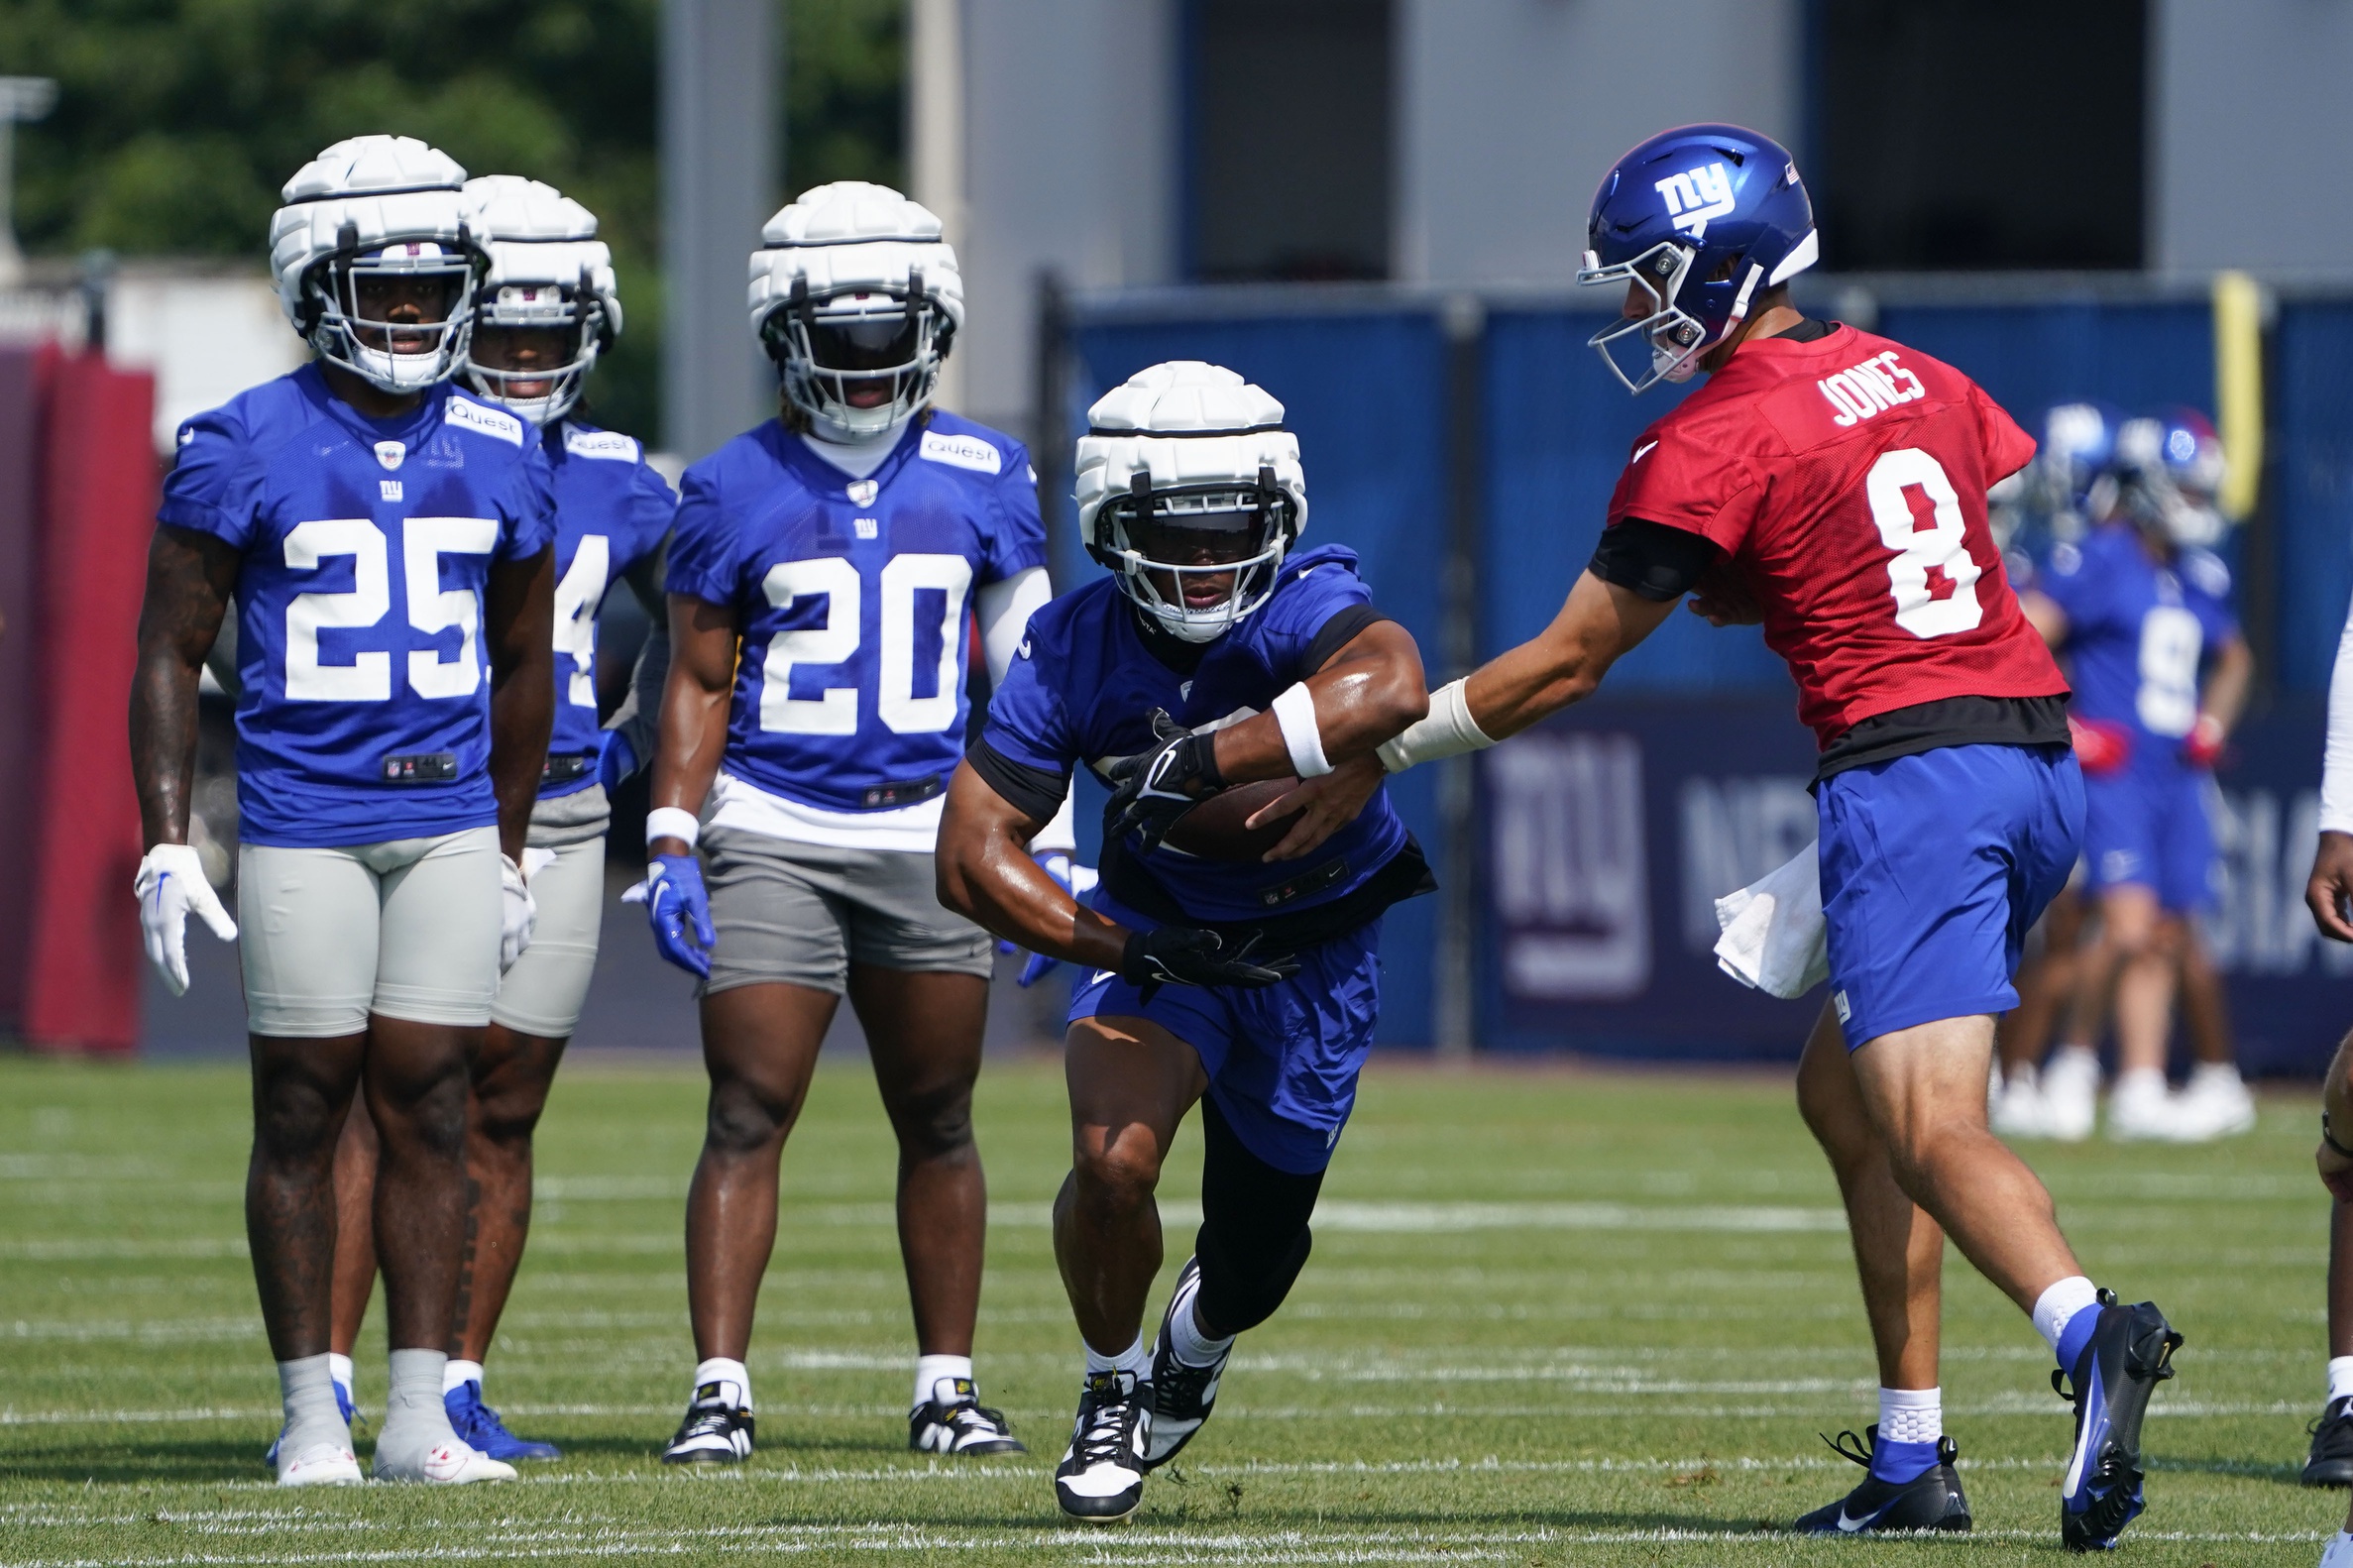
(1213,830)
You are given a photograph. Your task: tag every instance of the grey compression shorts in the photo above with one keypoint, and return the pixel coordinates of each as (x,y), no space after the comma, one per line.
(407,929)
(544,991)
(800,914)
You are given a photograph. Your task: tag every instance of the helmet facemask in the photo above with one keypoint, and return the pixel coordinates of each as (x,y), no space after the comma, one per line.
(1675,338)
(355,302)
(858,363)
(1197,559)
(568,326)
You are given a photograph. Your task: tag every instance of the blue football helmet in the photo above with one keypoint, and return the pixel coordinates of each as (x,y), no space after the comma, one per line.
(1698,217)
(2077,474)
(2172,467)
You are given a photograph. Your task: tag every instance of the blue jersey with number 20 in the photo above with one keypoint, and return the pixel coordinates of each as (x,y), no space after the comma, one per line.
(364,714)
(852,598)
(611,510)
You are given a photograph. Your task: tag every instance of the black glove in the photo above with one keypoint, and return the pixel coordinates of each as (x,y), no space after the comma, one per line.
(1189,956)
(1153,788)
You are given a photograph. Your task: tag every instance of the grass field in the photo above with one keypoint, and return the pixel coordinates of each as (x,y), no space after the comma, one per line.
(1552,1317)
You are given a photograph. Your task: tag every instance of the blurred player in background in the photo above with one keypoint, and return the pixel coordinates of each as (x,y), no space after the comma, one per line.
(845,545)
(389,542)
(1210,658)
(1833,484)
(2140,607)
(548,307)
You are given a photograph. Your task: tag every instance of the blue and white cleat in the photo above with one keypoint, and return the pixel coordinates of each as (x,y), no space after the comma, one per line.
(485,1433)
(343,1404)
(1931,1501)
(2130,1354)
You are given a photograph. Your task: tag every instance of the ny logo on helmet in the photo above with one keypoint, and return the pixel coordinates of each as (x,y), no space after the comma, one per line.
(1697,195)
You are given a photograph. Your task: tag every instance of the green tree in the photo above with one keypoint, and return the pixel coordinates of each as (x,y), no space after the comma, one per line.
(177,120)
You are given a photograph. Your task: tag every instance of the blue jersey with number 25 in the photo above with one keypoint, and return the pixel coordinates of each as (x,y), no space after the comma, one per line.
(364,714)
(611,510)
(852,598)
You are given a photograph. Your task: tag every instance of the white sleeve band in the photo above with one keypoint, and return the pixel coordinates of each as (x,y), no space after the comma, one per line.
(1295,710)
(1061,834)
(672,822)
(1447,731)
(1004,610)
(2336,768)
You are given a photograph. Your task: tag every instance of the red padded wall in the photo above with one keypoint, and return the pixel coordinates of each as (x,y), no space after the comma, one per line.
(19,518)
(98,489)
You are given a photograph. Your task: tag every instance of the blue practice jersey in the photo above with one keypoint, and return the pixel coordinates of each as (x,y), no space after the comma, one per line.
(853,600)
(611,510)
(365,700)
(1084,685)
(2138,635)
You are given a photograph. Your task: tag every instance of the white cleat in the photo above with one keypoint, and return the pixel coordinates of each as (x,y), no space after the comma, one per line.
(2070,1093)
(450,1464)
(2019,1109)
(2215,1103)
(328,1464)
(2141,1109)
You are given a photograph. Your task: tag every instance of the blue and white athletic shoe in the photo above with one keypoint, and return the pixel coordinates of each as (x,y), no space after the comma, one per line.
(2130,1354)
(1931,1501)
(343,1404)
(478,1427)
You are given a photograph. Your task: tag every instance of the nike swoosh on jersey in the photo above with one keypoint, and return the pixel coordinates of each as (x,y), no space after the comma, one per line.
(1640,453)
(1025,647)
(1103,974)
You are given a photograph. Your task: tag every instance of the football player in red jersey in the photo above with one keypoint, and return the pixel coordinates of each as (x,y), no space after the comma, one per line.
(1832,485)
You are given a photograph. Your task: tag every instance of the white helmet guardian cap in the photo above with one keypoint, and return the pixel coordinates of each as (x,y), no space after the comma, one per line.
(548,271)
(1192,491)
(376,210)
(857,298)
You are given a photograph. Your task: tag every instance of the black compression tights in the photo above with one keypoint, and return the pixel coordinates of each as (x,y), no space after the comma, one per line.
(1254,1236)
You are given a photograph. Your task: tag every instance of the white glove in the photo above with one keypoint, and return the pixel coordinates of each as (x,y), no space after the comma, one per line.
(519,914)
(169,883)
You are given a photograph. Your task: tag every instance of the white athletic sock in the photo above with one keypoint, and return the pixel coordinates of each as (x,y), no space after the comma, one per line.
(1910,1415)
(414,1418)
(1135,1360)
(932,1371)
(340,1369)
(460,1372)
(734,1376)
(307,1391)
(1186,1342)
(2056,1305)
(2340,1378)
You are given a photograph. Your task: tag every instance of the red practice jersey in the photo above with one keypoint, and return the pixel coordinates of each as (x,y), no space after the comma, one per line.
(1845,480)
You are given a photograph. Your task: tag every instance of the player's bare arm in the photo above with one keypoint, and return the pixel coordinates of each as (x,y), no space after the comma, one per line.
(692,731)
(1370,690)
(189,578)
(518,617)
(988,874)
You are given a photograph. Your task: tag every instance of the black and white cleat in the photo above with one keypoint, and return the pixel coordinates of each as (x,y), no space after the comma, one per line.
(717,1429)
(959,1424)
(1182,1394)
(1100,1479)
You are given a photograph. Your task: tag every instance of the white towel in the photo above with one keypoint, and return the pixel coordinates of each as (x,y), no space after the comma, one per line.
(1774,937)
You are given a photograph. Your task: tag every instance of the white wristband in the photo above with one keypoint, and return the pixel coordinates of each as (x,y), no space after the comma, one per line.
(1295,710)
(1449,730)
(672,822)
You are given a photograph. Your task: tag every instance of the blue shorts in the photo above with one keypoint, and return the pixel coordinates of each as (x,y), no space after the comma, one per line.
(2151,831)
(1282,1060)
(1933,868)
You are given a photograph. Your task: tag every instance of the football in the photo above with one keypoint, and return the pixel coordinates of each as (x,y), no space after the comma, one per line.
(1213,830)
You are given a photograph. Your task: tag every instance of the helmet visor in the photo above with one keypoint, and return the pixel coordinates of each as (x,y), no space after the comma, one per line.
(875,345)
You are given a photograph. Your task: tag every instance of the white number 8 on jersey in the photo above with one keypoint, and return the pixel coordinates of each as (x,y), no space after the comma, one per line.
(1932,575)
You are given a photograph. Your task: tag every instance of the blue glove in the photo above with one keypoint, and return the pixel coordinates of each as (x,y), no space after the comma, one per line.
(1076,881)
(674,901)
(616,760)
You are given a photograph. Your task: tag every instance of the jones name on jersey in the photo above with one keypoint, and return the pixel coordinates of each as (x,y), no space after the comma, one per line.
(849,695)
(364,709)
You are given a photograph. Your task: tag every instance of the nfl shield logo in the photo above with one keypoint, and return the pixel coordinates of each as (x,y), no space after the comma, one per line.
(391,454)
(862,493)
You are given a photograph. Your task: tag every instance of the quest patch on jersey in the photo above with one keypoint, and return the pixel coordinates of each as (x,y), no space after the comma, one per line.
(611,445)
(488,421)
(960,451)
